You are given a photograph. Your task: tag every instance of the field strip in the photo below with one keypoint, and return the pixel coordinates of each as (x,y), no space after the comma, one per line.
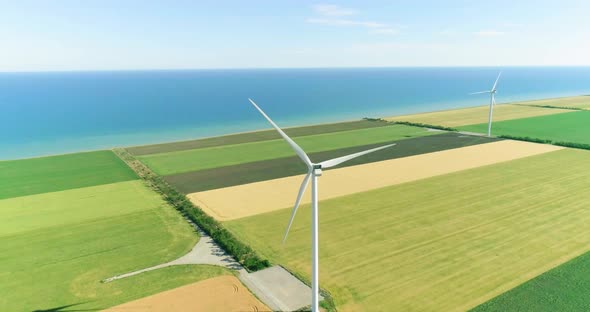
(224,293)
(255,198)
(27,213)
(221,156)
(570,127)
(579,102)
(476,115)
(63,172)
(254,136)
(209,179)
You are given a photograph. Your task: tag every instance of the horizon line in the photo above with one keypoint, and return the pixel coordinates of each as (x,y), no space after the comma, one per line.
(277,68)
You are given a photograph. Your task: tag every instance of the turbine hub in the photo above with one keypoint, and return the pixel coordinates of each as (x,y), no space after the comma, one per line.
(317,170)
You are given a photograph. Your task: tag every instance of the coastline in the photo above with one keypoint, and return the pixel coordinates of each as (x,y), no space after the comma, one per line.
(139,139)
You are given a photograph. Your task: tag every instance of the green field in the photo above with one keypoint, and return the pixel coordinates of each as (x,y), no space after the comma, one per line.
(197,181)
(441,244)
(565,288)
(28,213)
(57,173)
(255,136)
(69,221)
(213,157)
(568,127)
(56,247)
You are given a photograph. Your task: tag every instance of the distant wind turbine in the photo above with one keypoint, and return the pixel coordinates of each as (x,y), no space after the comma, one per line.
(492,102)
(314,171)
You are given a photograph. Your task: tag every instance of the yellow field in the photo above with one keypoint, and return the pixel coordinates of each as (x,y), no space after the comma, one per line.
(477,115)
(251,199)
(447,243)
(574,101)
(222,294)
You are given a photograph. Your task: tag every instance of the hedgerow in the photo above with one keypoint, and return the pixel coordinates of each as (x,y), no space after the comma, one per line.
(526,138)
(423,125)
(545,141)
(241,252)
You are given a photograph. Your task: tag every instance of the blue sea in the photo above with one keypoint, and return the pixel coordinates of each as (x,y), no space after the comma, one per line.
(60,112)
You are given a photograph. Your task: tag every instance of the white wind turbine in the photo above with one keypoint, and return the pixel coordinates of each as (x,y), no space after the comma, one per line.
(492,102)
(314,171)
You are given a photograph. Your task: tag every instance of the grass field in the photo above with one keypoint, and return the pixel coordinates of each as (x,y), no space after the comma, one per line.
(564,288)
(203,180)
(570,127)
(85,294)
(447,243)
(57,209)
(582,102)
(206,158)
(256,136)
(475,115)
(57,173)
(56,247)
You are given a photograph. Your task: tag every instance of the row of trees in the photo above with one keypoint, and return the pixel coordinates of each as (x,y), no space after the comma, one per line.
(526,138)
(545,141)
(418,124)
(415,124)
(243,253)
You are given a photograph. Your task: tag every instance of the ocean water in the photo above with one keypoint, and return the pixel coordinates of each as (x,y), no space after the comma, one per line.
(61,112)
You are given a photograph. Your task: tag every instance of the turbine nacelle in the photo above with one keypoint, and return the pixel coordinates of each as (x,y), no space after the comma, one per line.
(317,170)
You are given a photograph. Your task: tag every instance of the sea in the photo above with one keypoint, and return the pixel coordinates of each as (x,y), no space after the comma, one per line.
(47,113)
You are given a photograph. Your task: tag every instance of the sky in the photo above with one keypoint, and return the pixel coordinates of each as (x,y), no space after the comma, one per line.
(64,35)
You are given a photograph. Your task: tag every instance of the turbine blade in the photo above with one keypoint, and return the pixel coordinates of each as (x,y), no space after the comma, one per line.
(297,202)
(496,83)
(337,161)
(298,150)
(482,92)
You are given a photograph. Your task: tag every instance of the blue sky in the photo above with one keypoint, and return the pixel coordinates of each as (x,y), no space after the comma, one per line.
(129,34)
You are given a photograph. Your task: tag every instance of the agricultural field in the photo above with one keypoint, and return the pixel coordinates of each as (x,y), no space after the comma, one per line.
(34,212)
(445,243)
(218,294)
(85,218)
(255,198)
(578,102)
(214,157)
(570,127)
(564,288)
(57,173)
(208,179)
(254,136)
(476,115)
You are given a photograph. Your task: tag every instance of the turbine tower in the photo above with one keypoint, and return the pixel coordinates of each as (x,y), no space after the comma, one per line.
(313,171)
(492,102)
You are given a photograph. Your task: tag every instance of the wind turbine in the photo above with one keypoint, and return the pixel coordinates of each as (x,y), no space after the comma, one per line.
(492,102)
(313,172)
